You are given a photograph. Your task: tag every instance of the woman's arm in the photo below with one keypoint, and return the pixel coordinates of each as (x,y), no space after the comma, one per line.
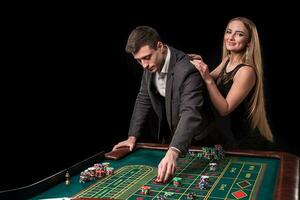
(243,82)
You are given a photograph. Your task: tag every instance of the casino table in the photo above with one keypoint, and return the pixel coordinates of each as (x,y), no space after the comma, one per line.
(260,175)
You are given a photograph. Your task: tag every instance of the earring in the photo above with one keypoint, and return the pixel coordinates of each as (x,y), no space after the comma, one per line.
(247,54)
(228,53)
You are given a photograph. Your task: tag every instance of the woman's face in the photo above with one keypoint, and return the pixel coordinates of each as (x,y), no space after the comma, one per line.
(236,36)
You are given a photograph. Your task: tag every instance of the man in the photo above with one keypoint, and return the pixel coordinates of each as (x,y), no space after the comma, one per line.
(173,90)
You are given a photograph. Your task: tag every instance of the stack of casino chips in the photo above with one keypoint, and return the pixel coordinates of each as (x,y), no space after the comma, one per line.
(177,181)
(97,171)
(204,181)
(145,190)
(191,195)
(212,166)
(209,153)
(220,153)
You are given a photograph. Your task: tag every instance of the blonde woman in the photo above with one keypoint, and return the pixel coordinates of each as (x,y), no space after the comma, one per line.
(236,86)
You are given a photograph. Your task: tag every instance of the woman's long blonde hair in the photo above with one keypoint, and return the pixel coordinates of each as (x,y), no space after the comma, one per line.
(252,56)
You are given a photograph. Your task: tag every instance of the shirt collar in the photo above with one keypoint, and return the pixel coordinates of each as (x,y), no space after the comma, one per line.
(167,62)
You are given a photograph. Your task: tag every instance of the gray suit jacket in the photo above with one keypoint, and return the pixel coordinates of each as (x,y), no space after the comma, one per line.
(187,115)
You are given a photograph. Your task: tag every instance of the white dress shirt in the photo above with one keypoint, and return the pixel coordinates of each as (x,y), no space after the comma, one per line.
(161,77)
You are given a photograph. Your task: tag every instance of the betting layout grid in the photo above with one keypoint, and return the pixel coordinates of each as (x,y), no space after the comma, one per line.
(231,179)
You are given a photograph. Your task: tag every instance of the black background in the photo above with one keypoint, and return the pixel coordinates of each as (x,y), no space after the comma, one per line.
(68,87)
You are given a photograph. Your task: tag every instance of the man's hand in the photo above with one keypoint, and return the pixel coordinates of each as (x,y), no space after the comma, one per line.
(130,142)
(167,166)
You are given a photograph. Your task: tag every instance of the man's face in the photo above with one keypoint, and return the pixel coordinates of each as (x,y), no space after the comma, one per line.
(151,59)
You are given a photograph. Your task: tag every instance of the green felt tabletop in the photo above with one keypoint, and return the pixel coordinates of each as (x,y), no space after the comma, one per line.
(242,177)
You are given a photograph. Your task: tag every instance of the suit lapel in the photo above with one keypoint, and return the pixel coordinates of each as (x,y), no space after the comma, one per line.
(169,87)
(168,97)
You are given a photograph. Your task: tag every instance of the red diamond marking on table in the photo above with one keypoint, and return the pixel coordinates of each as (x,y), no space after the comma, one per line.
(239,194)
(243,184)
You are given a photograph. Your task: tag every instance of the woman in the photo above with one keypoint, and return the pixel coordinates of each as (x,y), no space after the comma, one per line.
(236,86)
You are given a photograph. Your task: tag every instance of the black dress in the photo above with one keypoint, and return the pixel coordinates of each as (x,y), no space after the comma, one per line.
(237,124)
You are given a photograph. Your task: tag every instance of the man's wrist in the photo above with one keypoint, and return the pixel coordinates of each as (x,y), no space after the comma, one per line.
(132,138)
(175,150)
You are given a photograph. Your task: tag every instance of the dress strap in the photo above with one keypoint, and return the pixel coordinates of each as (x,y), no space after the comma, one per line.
(234,71)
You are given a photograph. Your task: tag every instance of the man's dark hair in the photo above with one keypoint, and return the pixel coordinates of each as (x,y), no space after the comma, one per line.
(141,36)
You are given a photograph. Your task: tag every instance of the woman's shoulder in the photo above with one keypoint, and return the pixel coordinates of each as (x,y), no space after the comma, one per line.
(244,67)
(243,70)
